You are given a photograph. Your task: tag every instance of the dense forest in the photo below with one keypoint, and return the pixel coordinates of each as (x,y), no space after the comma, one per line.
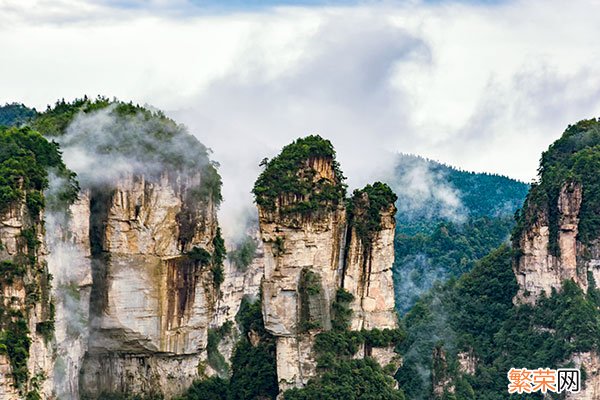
(474,316)
(444,227)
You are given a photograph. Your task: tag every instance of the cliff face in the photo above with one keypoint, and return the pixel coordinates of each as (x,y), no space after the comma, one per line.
(67,239)
(538,271)
(240,282)
(151,303)
(313,246)
(26,309)
(558,233)
(368,275)
(295,249)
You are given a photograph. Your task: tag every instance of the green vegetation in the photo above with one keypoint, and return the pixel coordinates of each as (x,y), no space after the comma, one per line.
(253,371)
(10,270)
(477,194)
(16,114)
(340,310)
(349,379)
(26,158)
(14,331)
(279,246)
(365,209)
(310,282)
(218,257)
(200,255)
(475,314)
(442,229)
(36,385)
(118,396)
(55,120)
(147,139)
(243,254)
(447,251)
(213,388)
(214,357)
(340,376)
(15,342)
(203,257)
(288,184)
(311,293)
(26,161)
(574,159)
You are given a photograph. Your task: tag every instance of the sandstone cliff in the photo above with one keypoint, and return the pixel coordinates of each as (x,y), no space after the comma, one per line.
(558,234)
(296,251)
(368,260)
(151,301)
(313,246)
(538,270)
(116,289)
(67,239)
(26,309)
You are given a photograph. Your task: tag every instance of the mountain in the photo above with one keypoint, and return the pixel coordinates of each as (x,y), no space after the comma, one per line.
(430,192)
(116,282)
(110,268)
(447,220)
(535,304)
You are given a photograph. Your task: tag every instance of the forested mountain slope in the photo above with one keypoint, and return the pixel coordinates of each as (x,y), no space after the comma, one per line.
(447,219)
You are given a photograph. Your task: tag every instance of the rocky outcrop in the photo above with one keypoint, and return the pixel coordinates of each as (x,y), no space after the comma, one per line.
(467,362)
(368,275)
(314,246)
(291,251)
(8,390)
(151,303)
(239,283)
(441,379)
(537,269)
(26,309)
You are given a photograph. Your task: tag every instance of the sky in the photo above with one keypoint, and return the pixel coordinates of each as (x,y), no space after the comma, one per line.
(483,85)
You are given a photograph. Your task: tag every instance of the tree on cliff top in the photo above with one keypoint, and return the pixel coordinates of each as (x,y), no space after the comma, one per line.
(366,206)
(288,182)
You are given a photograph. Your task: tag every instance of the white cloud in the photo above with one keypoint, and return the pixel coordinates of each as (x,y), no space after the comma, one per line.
(483,87)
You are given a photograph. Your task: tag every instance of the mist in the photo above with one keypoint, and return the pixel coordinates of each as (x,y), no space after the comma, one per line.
(70,267)
(339,66)
(105,145)
(376,78)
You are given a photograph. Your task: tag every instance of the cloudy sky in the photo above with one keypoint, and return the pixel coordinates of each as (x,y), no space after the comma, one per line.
(484,85)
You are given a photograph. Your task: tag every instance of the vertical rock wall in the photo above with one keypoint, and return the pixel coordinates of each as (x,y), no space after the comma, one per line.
(308,256)
(69,262)
(538,271)
(27,312)
(368,277)
(151,304)
(315,246)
